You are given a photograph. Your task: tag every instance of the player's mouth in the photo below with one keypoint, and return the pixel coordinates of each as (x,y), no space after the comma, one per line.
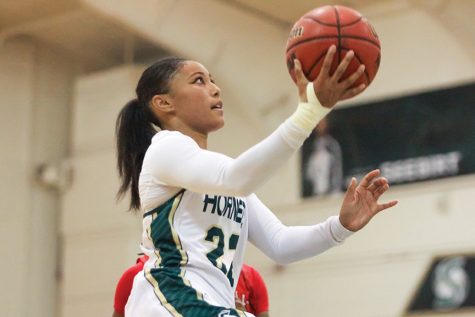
(218,106)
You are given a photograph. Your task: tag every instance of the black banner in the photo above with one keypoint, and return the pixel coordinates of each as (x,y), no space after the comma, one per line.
(448,286)
(412,138)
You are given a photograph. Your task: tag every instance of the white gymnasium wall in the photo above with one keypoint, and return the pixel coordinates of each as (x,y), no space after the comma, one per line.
(35,90)
(100,237)
(418,52)
(16,103)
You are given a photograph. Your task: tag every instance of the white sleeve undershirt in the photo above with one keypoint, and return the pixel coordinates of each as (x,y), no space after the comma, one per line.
(286,244)
(175,159)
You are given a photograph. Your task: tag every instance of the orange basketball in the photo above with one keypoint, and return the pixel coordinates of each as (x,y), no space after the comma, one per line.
(347,29)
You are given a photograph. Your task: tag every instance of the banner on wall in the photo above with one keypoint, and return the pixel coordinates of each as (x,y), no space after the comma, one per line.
(412,138)
(448,286)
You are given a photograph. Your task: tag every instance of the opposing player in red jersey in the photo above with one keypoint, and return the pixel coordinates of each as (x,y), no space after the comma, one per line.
(251,292)
(124,286)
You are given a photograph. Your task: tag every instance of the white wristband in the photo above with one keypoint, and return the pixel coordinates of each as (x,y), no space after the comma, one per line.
(308,114)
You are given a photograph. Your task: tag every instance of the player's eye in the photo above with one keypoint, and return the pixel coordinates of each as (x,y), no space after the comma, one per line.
(199,80)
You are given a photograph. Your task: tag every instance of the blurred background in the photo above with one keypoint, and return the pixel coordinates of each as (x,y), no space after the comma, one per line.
(68,66)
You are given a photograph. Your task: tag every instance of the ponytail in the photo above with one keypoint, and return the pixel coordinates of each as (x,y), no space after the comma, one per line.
(134,127)
(134,132)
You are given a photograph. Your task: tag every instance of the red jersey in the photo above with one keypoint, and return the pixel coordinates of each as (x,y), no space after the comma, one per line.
(251,291)
(124,286)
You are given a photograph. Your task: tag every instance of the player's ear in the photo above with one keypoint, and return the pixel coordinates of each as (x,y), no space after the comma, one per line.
(162,103)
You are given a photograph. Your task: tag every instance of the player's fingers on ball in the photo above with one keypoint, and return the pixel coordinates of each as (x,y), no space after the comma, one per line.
(354,77)
(340,70)
(297,64)
(301,81)
(299,75)
(327,62)
(352,92)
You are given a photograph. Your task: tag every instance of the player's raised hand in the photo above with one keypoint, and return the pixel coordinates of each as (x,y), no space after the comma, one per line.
(329,88)
(361,201)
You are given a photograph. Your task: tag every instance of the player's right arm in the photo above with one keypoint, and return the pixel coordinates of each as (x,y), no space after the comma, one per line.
(178,161)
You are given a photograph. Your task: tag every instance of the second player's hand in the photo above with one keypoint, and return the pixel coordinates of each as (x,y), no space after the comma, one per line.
(330,89)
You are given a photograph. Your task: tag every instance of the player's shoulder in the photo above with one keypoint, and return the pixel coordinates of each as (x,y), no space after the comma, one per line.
(171,142)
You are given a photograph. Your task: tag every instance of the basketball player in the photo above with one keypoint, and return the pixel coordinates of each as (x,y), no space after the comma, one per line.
(251,291)
(198,206)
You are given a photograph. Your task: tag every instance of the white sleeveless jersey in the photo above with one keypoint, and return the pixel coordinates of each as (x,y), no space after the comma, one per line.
(201,236)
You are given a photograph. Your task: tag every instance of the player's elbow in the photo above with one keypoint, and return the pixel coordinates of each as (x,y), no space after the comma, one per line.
(282,260)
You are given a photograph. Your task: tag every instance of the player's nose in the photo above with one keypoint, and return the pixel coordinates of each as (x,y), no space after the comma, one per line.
(215,90)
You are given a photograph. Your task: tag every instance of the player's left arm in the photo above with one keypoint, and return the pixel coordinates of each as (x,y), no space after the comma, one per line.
(286,244)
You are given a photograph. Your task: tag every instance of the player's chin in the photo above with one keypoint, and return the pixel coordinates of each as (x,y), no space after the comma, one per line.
(215,124)
(219,123)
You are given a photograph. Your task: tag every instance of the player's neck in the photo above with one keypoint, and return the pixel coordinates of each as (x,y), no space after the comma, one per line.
(200,138)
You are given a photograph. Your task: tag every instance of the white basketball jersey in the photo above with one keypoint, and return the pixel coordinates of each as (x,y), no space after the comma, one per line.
(200,238)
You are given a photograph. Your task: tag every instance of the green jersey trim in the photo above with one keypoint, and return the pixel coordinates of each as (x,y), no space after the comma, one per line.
(171,287)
